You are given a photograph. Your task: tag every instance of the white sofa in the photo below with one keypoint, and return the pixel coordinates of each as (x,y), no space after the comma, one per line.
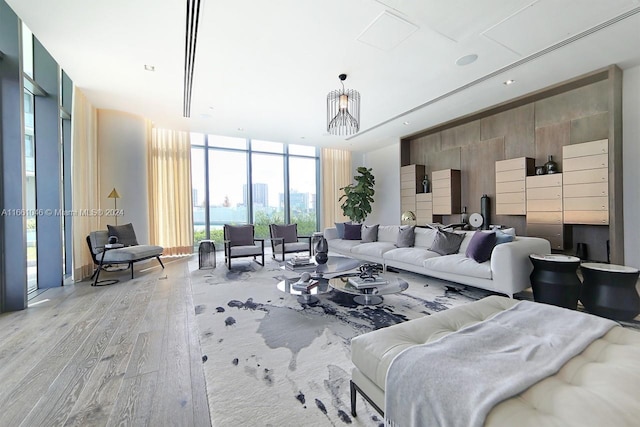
(507,272)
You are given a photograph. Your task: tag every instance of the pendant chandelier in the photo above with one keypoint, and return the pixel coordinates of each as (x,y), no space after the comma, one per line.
(343,110)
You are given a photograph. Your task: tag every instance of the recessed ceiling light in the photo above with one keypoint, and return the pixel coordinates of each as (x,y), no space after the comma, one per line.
(509,82)
(210,108)
(302,137)
(405,123)
(466,60)
(241,129)
(149,67)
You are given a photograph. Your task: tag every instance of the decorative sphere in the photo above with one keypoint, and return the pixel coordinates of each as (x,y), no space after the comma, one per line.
(322,257)
(305,277)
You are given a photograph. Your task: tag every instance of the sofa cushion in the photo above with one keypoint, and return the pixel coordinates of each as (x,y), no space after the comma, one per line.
(288,232)
(125,234)
(406,236)
(446,243)
(370,233)
(459,264)
(341,245)
(413,256)
(239,235)
(374,249)
(131,253)
(480,246)
(388,233)
(504,236)
(352,231)
(340,228)
(424,237)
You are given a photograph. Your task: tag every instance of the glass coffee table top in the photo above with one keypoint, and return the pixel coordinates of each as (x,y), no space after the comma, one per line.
(369,296)
(336,265)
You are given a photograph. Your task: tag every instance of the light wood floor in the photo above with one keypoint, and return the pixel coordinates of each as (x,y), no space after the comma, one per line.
(125,354)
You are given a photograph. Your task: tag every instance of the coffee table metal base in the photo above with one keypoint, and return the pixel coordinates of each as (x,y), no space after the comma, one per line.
(368,299)
(307,299)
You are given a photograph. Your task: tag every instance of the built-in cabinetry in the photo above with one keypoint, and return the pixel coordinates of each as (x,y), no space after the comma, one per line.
(424,208)
(446,191)
(544,208)
(585,183)
(411,177)
(511,185)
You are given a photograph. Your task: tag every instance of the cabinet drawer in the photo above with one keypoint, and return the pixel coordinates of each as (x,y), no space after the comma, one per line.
(510,209)
(424,205)
(441,174)
(514,175)
(511,164)
(587,204)
(557,242)
(442,201)
(534,229)
(544,217)
(586,217)
(586,190)
(538,181)
(544,205)
(424,197)
(585,149)
(408,201)
(408,185)
(424,217)
(441,184)
(408,169)
(584,163)
(510,187)
(406,192)
(554,193)
(510,197)
(587,176)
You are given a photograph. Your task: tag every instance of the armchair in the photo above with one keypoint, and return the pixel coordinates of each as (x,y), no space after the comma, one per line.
(285,240)
(239,242)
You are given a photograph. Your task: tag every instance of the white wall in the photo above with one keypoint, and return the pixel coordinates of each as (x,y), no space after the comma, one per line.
(385,163)
(122,151)
(630,169)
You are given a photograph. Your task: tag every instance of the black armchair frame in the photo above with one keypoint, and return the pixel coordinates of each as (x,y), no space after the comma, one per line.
(276,240)
(227,250)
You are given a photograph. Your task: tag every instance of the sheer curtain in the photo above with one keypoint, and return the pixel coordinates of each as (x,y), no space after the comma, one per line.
(84,179)
(170,208)
(336,173)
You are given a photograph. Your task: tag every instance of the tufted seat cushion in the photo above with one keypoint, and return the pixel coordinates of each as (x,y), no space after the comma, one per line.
(598,387)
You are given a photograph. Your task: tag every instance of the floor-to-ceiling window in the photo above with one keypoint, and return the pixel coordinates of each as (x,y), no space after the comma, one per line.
(251,181)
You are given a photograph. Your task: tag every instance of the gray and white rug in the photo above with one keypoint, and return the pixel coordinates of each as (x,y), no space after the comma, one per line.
(274,362)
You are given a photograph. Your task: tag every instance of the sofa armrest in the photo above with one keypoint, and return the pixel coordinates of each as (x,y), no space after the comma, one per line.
(330,233)
(510,264)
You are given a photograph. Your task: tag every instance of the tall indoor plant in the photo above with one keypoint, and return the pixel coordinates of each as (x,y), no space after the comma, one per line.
(358,197)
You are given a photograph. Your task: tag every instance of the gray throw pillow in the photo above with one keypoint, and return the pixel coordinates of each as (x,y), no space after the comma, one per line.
(239,235)
(340,228)
(124,233)
(446,243)
(406,237)
(288,232)
(370,233)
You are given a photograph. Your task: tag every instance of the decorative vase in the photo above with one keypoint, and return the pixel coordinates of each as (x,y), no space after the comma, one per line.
(540,170)
(551,166)
(464,216)
(425,184)
(322,249)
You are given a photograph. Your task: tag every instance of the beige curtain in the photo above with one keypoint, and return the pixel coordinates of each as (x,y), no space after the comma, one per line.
(336,173)
(170,208)
(84,181)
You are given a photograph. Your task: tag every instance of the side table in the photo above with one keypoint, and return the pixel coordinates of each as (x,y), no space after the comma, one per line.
(207,254)
(106,248)
(610,290)
(554,280)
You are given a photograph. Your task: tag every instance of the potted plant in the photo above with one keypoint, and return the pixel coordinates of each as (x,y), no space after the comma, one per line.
(359,196)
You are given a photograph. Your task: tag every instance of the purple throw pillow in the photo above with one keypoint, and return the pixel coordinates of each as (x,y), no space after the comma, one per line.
(352,232)
(481,246)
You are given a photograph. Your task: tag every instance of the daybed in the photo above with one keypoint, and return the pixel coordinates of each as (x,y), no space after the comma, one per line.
(597,387)
(507,272)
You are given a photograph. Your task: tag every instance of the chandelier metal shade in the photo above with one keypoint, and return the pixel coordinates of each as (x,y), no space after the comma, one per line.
(343,110)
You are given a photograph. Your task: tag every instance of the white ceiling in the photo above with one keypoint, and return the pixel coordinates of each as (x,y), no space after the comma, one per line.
(266,66)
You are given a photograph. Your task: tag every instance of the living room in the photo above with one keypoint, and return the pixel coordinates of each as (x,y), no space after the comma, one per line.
(260,79)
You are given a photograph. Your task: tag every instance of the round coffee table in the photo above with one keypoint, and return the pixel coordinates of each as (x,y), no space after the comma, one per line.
(554,280)
(610,290)
(369,296)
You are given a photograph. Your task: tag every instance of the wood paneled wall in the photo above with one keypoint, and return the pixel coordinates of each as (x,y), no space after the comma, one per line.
(536,125)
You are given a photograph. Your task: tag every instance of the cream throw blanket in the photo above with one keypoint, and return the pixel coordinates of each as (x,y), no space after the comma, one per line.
(458,379)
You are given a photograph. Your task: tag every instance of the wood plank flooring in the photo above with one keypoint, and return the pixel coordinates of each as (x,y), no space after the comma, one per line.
(124,354)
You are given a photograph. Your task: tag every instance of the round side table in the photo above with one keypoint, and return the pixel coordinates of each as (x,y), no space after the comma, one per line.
(554,280)
(610,290)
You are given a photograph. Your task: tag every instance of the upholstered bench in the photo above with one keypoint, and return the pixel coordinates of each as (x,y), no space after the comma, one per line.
(597,387)
(123,255)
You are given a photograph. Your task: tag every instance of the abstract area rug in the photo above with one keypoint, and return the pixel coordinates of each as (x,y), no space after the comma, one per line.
(271,361)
